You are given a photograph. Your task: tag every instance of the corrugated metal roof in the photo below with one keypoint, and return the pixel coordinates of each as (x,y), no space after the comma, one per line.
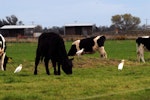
(17,26)
(79,24)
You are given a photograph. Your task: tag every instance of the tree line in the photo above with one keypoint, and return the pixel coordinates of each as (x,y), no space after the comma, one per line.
(123,22)
(10,20)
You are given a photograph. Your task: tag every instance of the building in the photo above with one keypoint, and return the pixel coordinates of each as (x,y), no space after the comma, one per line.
(78,29)
(17,30)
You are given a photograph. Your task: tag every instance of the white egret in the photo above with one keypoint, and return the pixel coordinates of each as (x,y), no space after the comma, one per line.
(120,66)
(80,52)
(18,69)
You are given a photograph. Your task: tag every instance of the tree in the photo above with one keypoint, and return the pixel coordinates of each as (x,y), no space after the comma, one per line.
(12,20)
(38,28)
(20,23)
(125,22)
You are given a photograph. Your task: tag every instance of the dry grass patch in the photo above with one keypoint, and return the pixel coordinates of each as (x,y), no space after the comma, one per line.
(91,62)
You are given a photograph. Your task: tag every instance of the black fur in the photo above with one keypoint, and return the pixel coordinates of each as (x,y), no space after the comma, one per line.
(6,59)
(72,50)
(144,41)
(51,47)
(87,44)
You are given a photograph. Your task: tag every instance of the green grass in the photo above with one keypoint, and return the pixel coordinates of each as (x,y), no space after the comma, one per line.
(92,79)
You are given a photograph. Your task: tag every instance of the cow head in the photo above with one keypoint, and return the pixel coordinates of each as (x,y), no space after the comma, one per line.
(67,66)
(102,51)
(72,50)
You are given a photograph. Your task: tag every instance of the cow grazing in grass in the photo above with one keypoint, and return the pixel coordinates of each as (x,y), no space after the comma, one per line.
(143,43)
(51,47)
(90,45)
(3,57)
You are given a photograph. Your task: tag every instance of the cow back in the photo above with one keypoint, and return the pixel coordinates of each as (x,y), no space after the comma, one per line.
(87,44)
(144,41)
(51,45)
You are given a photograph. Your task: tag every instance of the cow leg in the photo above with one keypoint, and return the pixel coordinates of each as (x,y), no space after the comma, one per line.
(1,64)
(138,57)
(2,61)
(142,58)
(5,66)
(46,60)
(140,53)
(59,69)
(37,60)
(102,52)
(5,62)
(54,66)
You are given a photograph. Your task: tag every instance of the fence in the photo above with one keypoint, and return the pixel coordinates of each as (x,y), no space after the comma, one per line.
(109,36)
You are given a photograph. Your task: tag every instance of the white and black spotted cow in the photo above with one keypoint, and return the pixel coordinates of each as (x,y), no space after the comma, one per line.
(90,45)
(143,43)
(3,58)
(2,52)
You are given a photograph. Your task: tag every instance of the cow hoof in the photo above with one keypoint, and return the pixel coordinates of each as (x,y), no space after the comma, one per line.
(35,72)
(48,73)
(55,73)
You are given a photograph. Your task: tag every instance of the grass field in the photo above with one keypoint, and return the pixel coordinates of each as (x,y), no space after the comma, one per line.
(92,79)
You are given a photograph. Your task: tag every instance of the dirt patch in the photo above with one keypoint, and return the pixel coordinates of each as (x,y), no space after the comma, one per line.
(86,62)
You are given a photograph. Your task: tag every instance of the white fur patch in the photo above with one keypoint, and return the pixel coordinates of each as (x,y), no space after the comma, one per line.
(140,52)
(2,61)
(145,36)
(3,40)
(77,42)
(2,53)
(95,47)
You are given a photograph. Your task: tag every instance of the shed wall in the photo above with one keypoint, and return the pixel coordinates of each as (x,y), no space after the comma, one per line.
(78,30)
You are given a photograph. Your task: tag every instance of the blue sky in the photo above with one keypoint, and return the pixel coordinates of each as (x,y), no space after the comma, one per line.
(50,13)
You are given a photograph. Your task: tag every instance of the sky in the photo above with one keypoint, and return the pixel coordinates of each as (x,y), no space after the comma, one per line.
(49,13)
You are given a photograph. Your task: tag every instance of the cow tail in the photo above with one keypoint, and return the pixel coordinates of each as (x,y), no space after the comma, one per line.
(39,55)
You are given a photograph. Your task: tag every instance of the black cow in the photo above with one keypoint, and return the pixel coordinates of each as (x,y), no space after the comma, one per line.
(90,45)
(142,42)
(3,57)
(51,47)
